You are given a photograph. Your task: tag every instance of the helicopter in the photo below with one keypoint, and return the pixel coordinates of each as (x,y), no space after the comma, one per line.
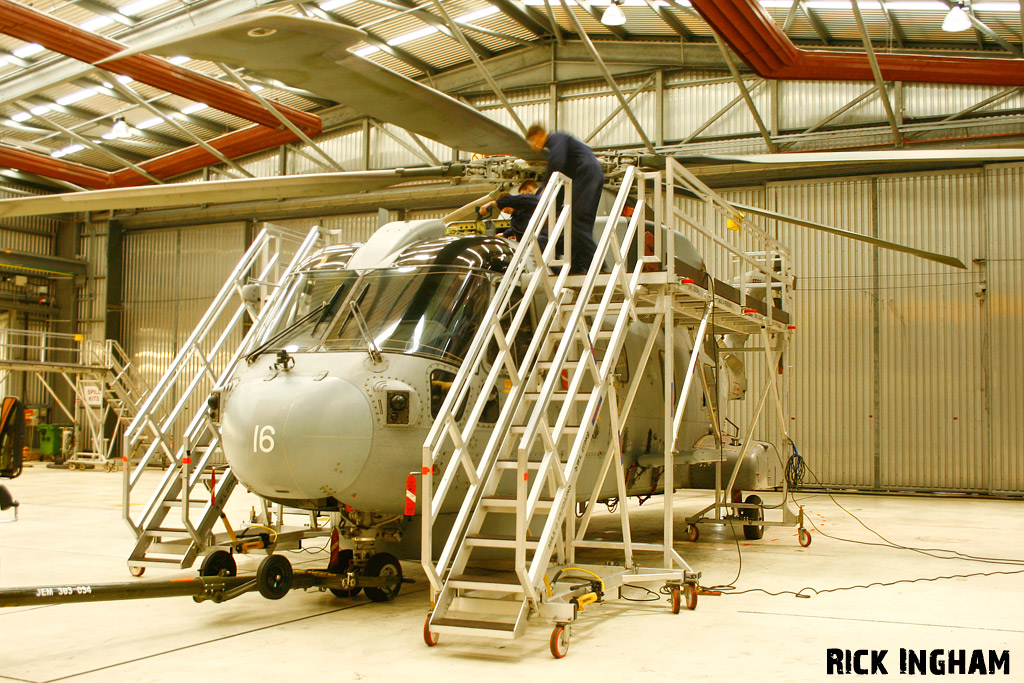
(331,409)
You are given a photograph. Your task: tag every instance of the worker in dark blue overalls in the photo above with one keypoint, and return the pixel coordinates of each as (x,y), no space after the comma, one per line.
(573,158)
(521,206)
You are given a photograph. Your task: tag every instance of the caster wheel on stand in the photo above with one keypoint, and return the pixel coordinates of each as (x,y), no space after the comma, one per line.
(690,594)
(429,637)
(560,641)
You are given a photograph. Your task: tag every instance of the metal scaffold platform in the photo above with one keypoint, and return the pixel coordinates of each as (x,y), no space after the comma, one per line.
(101,378)
(512,495)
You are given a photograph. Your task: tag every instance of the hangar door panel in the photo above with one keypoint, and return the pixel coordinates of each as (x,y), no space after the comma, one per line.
(931,332)
(1005,273)
(830,368)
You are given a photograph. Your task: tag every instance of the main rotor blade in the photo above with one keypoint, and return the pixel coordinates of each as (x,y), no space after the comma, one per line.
(851,157)
(221,191)
(884,244)
(313,55)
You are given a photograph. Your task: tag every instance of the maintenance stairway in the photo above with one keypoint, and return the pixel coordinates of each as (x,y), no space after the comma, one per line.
(172,427)
(515,493)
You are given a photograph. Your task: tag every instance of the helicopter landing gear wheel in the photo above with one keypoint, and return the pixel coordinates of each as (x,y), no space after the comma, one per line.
(274,577)
(560,641)
(676,599)
(429,637)
(753,532)
(690,596)
(136,571)
(343,565)
(692,533)
(804,537)
(216,562)
(383,565)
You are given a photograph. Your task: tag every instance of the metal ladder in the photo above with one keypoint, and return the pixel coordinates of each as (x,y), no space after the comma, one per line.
(124,388)
(555,394)
(172,421)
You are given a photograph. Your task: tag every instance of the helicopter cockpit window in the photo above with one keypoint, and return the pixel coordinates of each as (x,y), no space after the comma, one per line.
(422,310)
(316,297)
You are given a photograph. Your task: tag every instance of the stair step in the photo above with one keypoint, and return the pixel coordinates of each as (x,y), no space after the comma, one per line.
(176,502)
(521,429)
(508,503)
(557,396)
(503,583)
(167,533)
(512,464)
(498,541)
(477,624)
(156,562)
(592,306)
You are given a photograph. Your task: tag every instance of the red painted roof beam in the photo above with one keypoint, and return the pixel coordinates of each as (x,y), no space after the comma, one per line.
(46,166)
(233,145)
(750,31)
(22,22)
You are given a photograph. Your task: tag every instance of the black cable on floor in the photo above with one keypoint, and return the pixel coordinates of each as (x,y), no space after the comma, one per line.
(802,593)
(930,552)
(809,591)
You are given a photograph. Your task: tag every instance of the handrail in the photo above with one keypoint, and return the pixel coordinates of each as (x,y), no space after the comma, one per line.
(444,428)
(159,416)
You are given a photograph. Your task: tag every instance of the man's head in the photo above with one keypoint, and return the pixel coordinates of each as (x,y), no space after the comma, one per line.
(536,135)
(529,187)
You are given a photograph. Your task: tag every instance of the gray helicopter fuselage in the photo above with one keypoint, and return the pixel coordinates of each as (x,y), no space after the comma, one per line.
(330,424)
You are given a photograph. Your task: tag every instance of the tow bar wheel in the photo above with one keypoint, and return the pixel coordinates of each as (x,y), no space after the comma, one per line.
(692,533)
(429,637)
(559,641)
(216,562)
(804,537)
(385,565)
(274,577)
(676,599)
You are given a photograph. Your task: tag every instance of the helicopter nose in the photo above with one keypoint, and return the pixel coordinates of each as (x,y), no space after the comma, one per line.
(297,437)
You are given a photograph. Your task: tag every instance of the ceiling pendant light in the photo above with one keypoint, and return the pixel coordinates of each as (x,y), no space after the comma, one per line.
(957,20)
(613,16)
(120,129)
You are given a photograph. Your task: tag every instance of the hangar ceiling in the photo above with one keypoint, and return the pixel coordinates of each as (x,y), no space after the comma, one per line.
(58,107)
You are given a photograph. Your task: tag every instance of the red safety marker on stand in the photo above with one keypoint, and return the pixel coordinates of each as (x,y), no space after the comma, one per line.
(410,495)
(335,548)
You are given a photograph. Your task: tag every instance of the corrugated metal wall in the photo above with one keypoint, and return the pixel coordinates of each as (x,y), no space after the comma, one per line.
(355,227)
(92,296)
(687,107)
(171,276)
(903,374)
(830,365)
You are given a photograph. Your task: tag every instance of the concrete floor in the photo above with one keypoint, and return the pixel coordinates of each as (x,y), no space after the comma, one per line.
(70,532)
